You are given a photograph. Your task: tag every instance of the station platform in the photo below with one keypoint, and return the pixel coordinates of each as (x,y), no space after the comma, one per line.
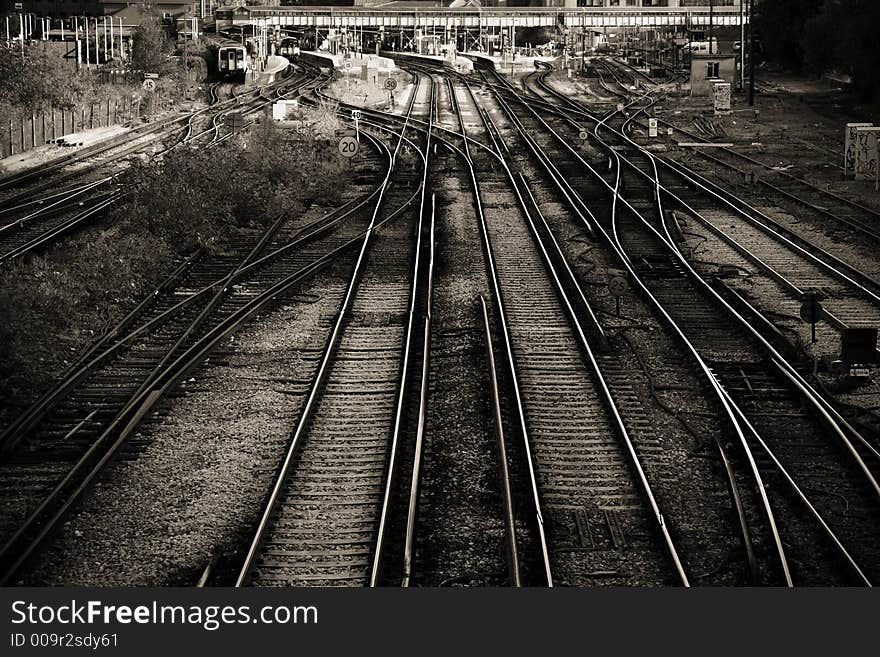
(275,64)
(461,64)
(357,61)
(521,63)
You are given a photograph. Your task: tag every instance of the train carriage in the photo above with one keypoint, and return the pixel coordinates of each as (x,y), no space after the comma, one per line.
(232,62)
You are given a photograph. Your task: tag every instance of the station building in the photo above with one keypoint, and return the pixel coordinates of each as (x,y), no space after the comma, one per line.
(130,12)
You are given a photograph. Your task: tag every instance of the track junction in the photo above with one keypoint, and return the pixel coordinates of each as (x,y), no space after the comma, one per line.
(475,408)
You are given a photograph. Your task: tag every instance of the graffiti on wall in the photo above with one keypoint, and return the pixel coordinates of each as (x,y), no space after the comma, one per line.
(849,158)
(722,97)
(866,153)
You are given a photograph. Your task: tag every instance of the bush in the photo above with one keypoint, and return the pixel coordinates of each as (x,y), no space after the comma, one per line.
(51,303)
(823,35)
(195,197)
(40,79)
(150,48)
(189,198)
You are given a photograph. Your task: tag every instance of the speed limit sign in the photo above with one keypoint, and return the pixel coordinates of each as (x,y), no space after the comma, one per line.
(149,85)
(355,114)
(617,285)
(348,146)
(583,135)
(391,84)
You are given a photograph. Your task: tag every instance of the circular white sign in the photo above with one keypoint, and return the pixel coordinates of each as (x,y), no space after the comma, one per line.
(348,146)
(617,285)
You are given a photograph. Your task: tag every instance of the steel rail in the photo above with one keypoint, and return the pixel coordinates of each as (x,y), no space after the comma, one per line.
(45,208)
(508,340)
(785,368)
(69,225)
(496,153)
(42,171)
(835,419)
(317,382)
(465,156)
(610,402)
(815,397)
(511,551)
(803,247)
(798,491)
(391,476)
(783,174)
(62,228)
(477,143)
(838,418)
(310,231)
(714,384)
(40,201)
(412,511)
(179,369)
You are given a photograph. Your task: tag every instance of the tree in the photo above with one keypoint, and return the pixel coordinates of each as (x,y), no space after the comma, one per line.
(780,23)
(150,47)
(823,35)
(843,37)
(39,79)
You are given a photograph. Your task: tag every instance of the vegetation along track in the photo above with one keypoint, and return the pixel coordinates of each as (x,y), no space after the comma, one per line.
(31,218)
(62,443)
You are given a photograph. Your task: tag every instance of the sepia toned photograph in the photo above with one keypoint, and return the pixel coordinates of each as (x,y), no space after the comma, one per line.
(431,294)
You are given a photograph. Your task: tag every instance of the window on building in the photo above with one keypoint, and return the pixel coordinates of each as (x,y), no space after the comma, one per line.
(712,69)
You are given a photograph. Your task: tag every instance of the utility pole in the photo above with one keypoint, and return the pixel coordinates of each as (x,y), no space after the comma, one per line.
(711,26)
(742,45)
(751,52)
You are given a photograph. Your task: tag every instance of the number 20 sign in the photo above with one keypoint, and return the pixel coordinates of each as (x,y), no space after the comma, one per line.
(348,146)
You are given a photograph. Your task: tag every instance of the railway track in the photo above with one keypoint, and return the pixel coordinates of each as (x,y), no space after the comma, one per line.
(62,443)
(790,190)
(665,274)
(762,482)
(795,264)
(569,524)
(588,487)
(31,222)
(320,521)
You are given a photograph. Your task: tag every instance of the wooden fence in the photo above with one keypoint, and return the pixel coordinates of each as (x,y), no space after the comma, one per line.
(19,135)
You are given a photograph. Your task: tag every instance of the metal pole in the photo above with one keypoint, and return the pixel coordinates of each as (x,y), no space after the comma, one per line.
(21,32)
(711,26)
(751,52)
(86,38)
(742,45)
(97,45)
